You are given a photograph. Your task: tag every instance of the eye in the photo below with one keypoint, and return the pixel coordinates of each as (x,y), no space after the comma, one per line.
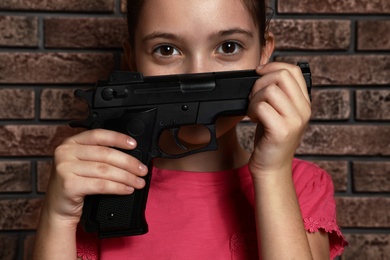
(166,50)
(229,48)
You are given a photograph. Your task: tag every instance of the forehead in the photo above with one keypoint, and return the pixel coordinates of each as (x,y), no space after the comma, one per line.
(194,16)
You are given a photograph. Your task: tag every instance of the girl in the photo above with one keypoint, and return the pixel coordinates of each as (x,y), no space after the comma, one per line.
(224,204)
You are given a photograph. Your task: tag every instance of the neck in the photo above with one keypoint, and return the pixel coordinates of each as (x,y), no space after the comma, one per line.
(229,155)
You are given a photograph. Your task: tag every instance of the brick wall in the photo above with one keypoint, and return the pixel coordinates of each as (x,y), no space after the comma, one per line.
(49,48)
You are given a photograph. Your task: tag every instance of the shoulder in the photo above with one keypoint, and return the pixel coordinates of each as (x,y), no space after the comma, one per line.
(310,178)
(301,168)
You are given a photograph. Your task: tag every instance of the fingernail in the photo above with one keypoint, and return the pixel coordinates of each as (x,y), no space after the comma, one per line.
(130,189)
(130,142)
(260,67)
(143,167)
(141,181)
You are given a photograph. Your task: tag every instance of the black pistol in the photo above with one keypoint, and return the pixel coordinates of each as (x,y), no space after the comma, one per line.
(144,107)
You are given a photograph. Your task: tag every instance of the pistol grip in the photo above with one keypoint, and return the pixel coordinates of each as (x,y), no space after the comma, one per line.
(123,215)
(111,216)
(117,215)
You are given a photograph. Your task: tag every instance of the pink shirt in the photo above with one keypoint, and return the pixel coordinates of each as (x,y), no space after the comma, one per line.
(197,215)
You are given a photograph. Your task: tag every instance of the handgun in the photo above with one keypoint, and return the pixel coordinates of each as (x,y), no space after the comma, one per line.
(145,106)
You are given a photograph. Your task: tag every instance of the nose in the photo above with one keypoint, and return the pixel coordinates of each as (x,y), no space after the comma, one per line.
(199,63)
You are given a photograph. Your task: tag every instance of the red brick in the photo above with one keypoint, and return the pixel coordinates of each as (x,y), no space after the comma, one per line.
(43,173)
(373,35)
(61,104)
(15,176)
(346,69)
(338,170)
(311,34)
(55,5)
(367,246)
(331,104)
(345,140)
(8,247)
(17,103)
(334,7)
(373,104)
(371,176)
(18,31)
(54,67)
(85,32)
(363,212)
(19,214)
(32,140)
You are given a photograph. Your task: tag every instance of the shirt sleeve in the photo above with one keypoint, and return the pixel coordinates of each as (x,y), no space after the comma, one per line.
(87,245)
(315,192)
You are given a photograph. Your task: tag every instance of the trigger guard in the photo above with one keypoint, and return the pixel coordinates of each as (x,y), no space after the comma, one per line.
(175,134)
(212,145)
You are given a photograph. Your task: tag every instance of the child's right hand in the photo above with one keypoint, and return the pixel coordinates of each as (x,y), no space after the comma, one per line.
(87,164)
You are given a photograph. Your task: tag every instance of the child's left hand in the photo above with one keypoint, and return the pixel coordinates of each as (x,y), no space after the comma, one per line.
(280,104)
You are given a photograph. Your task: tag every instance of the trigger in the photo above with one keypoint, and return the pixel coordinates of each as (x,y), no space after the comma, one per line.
(175,133)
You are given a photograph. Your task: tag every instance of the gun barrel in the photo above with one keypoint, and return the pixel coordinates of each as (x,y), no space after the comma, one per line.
(154,90)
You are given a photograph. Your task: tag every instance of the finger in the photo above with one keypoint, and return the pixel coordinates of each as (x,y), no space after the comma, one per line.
(110,156)
(103,137)
(285,80)
(289,85)
(277,128)
(276,98)
(71,150)
(92,186)
(262,112)
(102,171)
(294,70)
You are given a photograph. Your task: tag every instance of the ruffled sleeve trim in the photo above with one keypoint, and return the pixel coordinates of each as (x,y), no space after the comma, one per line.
(337,241)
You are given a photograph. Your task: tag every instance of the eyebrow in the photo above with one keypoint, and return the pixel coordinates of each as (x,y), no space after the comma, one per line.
(163,35)
(232,31)
(221,33)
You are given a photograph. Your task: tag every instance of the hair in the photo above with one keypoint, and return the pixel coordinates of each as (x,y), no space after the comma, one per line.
(260,12)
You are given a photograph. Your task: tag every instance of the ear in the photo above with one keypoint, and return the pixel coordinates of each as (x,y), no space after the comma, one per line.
(267,50)
(129,55)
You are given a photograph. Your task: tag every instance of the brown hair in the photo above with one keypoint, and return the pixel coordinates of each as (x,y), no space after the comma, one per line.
(258,9)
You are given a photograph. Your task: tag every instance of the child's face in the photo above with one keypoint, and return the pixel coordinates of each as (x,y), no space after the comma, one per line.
(191,36)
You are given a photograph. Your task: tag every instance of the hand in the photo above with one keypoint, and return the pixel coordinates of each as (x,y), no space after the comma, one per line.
(280,104)
(85,164)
